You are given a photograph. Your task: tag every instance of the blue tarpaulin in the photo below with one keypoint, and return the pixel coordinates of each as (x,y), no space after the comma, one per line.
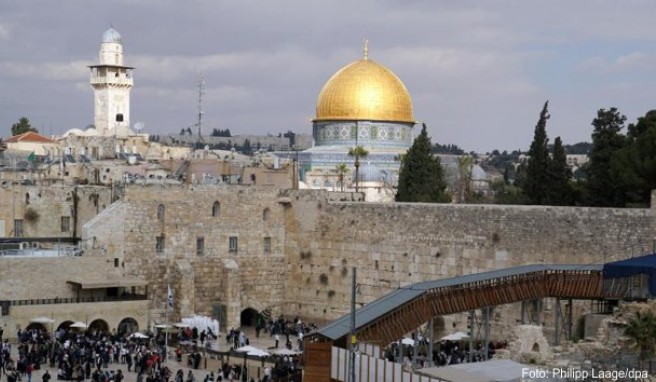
(630,267)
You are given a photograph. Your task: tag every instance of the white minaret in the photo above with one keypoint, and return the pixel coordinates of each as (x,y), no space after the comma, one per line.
(111,82)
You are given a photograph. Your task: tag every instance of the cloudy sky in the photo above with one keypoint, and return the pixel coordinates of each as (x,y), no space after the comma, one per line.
(478,71)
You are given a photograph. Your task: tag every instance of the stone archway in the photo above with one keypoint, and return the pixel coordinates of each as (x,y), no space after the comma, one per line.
(36,325)
(128,325)
(65,325)
(99,325)
(249,317)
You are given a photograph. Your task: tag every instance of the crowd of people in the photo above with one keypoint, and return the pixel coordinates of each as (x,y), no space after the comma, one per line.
(445,353)
(103,357)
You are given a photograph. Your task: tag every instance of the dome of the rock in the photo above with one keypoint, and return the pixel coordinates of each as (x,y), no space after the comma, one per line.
(364,90)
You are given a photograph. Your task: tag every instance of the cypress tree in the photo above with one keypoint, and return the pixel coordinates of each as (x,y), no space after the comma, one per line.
(559,192)
(421,178)
(537,177)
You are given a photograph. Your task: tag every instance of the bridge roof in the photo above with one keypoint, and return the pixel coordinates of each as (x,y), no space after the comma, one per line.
(404,295)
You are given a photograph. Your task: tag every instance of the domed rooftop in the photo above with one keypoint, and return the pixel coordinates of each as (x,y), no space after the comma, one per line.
(364,90)
(112,35)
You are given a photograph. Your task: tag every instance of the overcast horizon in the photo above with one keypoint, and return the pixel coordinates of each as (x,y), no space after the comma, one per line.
(478,72)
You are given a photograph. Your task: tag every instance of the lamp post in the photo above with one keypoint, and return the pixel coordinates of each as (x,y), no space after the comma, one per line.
(353,338)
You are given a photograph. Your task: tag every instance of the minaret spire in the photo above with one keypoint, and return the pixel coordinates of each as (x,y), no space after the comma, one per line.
(366,49)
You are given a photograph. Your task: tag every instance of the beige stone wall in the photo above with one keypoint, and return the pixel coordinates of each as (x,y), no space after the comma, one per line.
(316,238)
(50,202)
(24,278)
(393,245)
(201,281)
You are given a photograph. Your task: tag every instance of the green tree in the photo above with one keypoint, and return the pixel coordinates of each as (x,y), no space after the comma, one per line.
(642,330)
(634,165)
(505,193)
(602,190)
(341,170)
(559,191)
(421,178)
(536,177)
(357,152)
(22,126)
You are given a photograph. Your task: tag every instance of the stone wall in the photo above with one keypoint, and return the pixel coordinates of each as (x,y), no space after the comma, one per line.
(199,281)
(110,312)
(24,278)
(316,240)
(42,206)
(393,245)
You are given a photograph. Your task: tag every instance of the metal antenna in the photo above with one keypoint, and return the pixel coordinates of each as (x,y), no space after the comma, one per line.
(201,91)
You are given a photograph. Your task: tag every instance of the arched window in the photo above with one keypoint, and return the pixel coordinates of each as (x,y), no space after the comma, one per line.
(160,212)
(265,214)
(216,209)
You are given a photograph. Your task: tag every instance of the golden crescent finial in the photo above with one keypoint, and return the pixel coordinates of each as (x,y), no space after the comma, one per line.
(366,49)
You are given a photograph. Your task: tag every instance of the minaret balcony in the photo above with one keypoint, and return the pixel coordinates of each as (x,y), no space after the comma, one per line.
(111,81)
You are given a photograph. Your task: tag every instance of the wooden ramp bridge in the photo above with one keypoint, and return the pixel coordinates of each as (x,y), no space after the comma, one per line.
(403,310)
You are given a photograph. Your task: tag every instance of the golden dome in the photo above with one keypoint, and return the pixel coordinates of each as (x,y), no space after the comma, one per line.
(364,90)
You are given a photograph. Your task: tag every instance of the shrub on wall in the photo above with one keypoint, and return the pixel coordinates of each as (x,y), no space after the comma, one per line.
(31,216)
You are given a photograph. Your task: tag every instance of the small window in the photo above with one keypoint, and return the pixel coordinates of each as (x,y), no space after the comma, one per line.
(18,227)
(116,262)
(265,214)
(267,244)
(216,209)
(160,212)
(65,223)
(200,246)
(119,117)
(159,244)
(232,244)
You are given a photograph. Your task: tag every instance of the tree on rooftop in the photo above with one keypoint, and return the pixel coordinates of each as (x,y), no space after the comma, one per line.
(22,126)
(421,178)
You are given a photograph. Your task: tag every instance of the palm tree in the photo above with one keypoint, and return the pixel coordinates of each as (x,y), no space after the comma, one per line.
(642,329)
(465,166)
(341,169)
(357,152)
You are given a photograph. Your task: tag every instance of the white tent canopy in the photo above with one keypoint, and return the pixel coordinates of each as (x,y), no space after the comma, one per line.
(252,350)
(78,324)
(457,336)
(408,341)
(201,323)
(42,320)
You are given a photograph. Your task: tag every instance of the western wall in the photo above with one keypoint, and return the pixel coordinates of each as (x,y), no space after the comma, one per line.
(316,237)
